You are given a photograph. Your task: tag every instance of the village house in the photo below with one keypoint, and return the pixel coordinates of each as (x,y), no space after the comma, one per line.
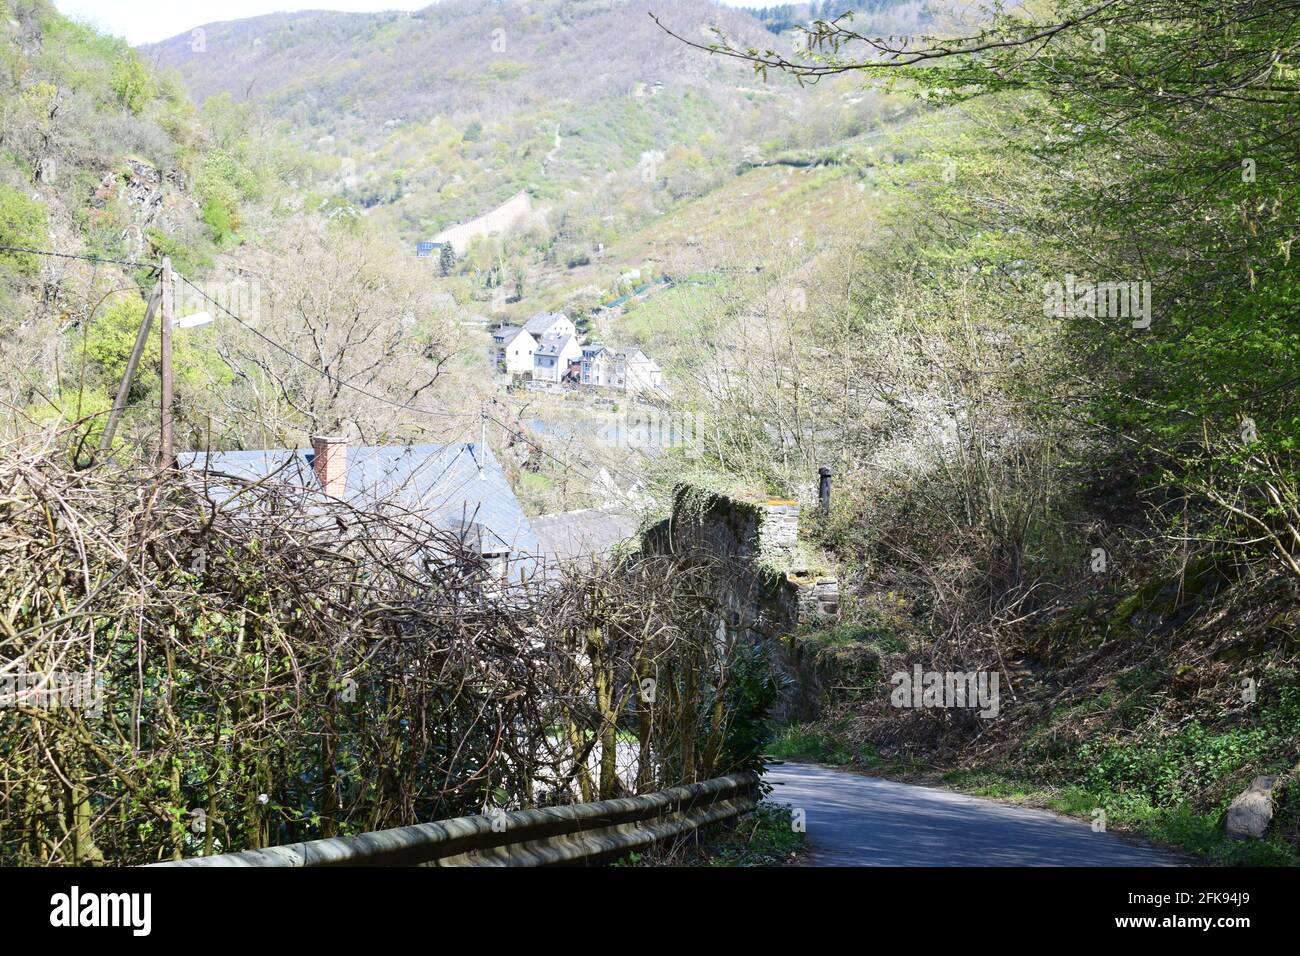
(546,349)
(458,488)
(624,369)
(550,324)
(580,538)
(553,357)
(512,350)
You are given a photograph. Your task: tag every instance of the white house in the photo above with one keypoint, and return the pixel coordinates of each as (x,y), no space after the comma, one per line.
(512,349)
(553,355)
(628,369)
(550,324)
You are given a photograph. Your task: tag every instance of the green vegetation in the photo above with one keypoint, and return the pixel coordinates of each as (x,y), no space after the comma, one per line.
(821,745)
(22,224)
(132,82)
(104,156)
(1195,832)
(765,837)
(1096,494)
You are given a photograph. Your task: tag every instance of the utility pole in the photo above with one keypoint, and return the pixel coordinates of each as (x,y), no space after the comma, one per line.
(166,452)
(128,377)
(482,446)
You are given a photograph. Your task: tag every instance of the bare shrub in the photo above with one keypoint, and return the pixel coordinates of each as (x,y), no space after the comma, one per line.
(266,667)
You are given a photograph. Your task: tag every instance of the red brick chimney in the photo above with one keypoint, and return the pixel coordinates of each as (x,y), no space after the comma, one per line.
(330,462)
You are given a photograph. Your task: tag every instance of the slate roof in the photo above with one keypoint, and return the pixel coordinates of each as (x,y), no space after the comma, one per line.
(578,536)
(542,321)
(553,344)
(442,480)
(507,334)
(633,354)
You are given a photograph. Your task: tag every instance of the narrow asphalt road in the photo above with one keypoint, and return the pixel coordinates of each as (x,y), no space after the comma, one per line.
(854,820)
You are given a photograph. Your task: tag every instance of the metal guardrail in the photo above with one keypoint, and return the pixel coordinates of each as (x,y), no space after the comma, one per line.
(582,832)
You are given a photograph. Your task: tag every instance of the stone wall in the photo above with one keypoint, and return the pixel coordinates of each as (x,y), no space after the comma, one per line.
(767,595)
(819,599)
(755,541)
(778,530)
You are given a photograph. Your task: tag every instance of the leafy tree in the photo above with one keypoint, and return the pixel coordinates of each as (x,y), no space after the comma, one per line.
(132,82)
(1166,133)
(22,224)
(112,335)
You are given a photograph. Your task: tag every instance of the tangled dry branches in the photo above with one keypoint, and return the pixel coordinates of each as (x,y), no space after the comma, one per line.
(257,667)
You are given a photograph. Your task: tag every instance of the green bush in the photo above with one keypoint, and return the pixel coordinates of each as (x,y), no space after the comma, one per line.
(1167,771)
(132,82)
(22,223)
(818,744)
(751,693)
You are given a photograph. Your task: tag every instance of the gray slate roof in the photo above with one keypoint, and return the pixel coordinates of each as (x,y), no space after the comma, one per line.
(442,480)
(578,536)
(552,344)
(507,334)
(542,321)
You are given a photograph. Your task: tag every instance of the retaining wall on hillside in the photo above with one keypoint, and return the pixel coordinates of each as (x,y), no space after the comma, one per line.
(767,595)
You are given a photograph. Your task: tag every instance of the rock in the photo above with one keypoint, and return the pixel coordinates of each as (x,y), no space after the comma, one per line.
(1249,814)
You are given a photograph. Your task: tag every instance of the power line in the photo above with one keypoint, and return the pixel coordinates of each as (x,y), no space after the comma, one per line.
(403,405)
(84,258)
(563,464)
(320,371)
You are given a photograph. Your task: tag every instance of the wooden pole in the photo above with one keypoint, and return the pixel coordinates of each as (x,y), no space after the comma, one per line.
(166,451)
(128,377)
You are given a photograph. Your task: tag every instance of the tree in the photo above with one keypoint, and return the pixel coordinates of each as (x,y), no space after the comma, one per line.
(1165,133)
(22,225)
(351,339)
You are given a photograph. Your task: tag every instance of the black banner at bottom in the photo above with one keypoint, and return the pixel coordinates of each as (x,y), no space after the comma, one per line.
(142,907)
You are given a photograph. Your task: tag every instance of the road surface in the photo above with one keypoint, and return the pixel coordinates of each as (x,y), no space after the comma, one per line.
(854,820)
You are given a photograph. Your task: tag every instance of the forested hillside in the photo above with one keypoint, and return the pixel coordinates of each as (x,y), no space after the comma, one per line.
(435,116)
(107,163)
(1061,411)
(423,120)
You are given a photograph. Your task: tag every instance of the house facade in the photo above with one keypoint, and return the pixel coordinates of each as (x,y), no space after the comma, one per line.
(626,369)
(553,356)
(512,350)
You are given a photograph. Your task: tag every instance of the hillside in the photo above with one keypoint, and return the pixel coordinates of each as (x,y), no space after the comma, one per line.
(435,116)
(106,166)
(978,388)
(100,158)
(640,158)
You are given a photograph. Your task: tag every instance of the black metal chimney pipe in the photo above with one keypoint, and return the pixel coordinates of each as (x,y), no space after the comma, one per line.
(824,490)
